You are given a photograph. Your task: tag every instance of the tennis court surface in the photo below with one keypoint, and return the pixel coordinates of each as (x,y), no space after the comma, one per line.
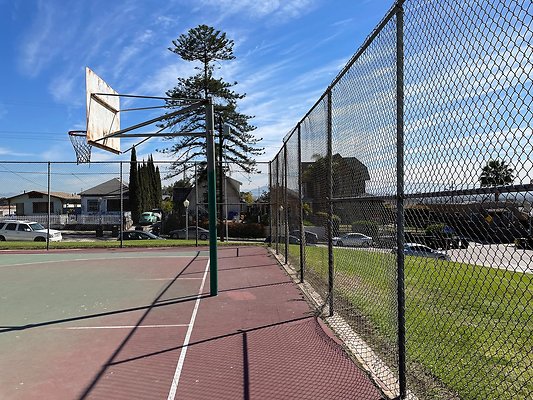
(140,324)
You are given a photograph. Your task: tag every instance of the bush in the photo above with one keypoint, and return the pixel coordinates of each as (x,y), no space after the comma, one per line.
(171,223)
(369,228)
(240,230)
(435,230)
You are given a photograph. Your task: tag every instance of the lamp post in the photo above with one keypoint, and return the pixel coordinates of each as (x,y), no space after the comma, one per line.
(186,204)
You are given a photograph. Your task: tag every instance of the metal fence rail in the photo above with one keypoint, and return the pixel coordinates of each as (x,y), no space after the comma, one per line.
(423,139)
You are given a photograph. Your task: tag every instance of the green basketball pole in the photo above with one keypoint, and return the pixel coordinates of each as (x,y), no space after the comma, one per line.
(211,196)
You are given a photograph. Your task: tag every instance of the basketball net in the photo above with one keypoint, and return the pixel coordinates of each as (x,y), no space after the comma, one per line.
(81,147)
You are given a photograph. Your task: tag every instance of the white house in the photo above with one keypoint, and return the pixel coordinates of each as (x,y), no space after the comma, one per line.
(35,203)
(104,199)
(232,196)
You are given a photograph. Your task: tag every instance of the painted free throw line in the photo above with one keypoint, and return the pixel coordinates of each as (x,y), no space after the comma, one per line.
(181,360)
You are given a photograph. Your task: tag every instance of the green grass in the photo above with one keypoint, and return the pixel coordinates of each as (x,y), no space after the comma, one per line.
(468,327)
(102,244)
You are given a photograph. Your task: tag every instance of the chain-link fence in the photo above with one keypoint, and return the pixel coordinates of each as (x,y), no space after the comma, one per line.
(410,184)
(93,201)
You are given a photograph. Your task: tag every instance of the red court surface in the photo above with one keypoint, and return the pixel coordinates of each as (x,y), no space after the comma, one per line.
(142,325)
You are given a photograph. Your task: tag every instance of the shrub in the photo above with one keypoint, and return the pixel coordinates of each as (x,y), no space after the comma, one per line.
(240,230)
(369,228)
(435,229)
(171,223)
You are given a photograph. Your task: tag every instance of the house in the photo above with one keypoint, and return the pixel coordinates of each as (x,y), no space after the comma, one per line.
(233,206)
(349,183)
(104,199)
(35,203)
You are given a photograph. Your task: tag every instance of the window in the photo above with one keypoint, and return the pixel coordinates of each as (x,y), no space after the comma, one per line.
(113,205)
(41,207)
(92,206)
(11,227)
(24,228)
(35,195)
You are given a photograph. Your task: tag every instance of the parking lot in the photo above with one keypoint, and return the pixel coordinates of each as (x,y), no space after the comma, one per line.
(503,256)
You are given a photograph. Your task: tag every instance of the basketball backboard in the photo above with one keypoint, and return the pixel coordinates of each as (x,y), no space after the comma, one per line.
(103,113)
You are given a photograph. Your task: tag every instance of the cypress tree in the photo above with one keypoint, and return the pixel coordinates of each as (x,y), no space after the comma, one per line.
(158,188)
(135,205)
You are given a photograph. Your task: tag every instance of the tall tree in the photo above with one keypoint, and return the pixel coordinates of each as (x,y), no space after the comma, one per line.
(135,201)
(496,173)
(207,47)
(145,189)
(158,188)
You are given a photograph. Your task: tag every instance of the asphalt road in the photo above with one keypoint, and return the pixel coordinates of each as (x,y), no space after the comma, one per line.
(503,256)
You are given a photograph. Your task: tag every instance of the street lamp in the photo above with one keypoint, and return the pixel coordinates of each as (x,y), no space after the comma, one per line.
(186,204)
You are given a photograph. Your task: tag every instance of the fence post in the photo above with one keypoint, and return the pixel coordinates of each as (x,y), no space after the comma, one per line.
(278,211)
(48,216)
(270,199)
(122,219)
(300,204)
(286,209)
(329,174)
(400,199)
(196,199)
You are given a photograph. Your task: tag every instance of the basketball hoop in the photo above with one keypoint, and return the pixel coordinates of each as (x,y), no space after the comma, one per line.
(81,147)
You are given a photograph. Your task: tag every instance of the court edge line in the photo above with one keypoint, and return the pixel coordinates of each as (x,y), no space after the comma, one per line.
(93,259)
(76,328)
(181,360)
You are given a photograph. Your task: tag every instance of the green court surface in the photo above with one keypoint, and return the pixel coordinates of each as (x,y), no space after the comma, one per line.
(82,304)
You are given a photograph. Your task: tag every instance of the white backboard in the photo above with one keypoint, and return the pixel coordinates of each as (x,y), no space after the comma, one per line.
(103,116)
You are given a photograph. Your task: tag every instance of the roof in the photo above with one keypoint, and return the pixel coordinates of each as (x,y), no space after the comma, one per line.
(109,188)
(59,195)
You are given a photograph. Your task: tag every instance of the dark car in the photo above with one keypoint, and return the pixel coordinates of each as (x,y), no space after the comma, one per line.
(281,239)
(139,235)
(524,243)
(203,234)
(310,237)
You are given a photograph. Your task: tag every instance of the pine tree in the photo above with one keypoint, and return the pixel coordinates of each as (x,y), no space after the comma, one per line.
(208,47)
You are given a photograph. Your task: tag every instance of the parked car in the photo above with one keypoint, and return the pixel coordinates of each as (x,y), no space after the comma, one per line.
(27,231)
(139,235)
(525,243)
(419,250)
(353,239)
(281,239)
(203,234)
(310,237)
(148,218)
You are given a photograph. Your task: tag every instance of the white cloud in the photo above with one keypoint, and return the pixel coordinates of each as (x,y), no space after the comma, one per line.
(38,49)
(4,151)
(277,10)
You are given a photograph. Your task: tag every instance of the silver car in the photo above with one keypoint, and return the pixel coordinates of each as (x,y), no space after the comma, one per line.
(203,234)
(353,239)
(27,231)
(419,250)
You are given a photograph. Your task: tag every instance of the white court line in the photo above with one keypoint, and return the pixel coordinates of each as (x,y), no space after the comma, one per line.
(165,279)
(181,360)
(76,328)
(92,259)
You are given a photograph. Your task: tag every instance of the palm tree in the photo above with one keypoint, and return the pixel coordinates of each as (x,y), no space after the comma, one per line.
(496,173)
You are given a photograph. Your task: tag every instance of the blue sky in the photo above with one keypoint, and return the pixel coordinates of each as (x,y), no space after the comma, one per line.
(287,52)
